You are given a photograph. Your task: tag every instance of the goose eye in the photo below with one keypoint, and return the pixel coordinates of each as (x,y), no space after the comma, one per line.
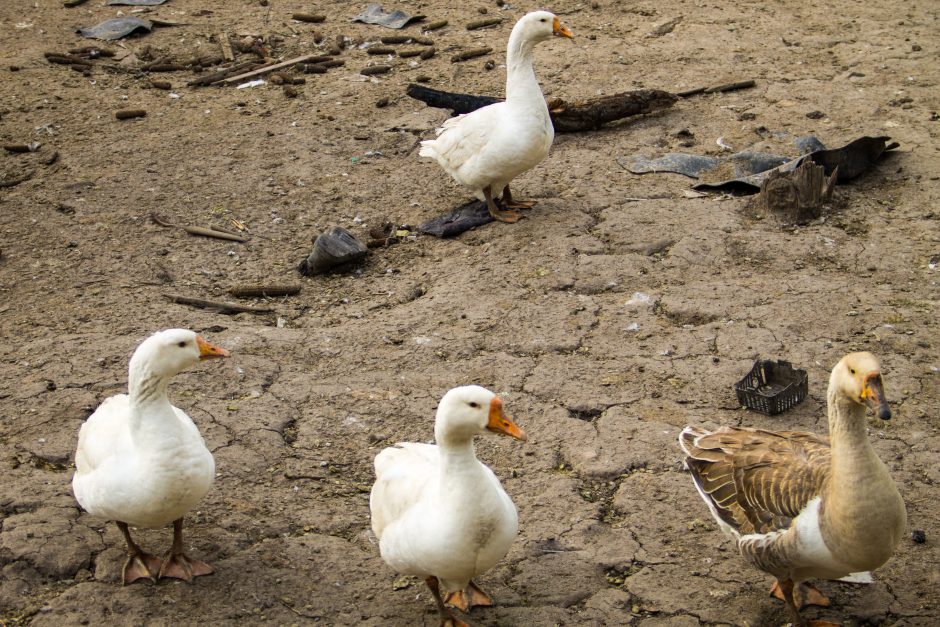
(474,404)
(852,370)
(182,344)
(543,20)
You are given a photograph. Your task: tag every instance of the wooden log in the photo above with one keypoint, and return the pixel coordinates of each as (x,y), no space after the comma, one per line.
(225,308)
(259,291)
(584,115)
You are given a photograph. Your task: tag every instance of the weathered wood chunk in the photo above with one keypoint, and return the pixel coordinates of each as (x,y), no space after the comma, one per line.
(797,196)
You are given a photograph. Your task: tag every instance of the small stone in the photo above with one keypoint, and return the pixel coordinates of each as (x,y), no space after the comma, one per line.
(815,115)
(918,536)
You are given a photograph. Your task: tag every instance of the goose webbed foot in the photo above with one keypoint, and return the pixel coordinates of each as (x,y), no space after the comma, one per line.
(447,617)
(511,203)
(502,215)
(176,564)
(139,564)
(472,596)
(803,594)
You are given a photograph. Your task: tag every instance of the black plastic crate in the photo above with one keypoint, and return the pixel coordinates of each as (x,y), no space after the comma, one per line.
(772,387)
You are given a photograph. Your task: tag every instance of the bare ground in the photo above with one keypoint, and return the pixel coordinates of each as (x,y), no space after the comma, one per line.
(612,531)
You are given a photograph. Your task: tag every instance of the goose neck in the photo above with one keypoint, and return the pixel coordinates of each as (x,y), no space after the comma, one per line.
(520,74)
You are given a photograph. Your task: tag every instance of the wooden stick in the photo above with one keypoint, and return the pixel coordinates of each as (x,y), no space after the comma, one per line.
(257,291)
(215,77)
(227,53)
(271,68)
(225,308)
(198,230)
(717,88)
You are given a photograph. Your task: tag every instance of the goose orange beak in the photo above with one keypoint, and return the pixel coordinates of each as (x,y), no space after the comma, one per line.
(501,423)
(873,395)
(209,351)
(561,31)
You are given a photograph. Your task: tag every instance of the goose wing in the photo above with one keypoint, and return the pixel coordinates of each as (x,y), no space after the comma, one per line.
(756,481)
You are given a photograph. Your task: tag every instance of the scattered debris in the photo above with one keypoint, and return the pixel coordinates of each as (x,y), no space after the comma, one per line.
(582,115)
(215,77)
(135,3)
(73,3)
(796,196)
(745,171)
(255,83)
(197,230)
(334,248)
(260,291)
(374,14)
(435,25)
(116,28)
(375,69)
(225,308)
(484,23)
(473,53)
(309,17)
(386,234)
(463,218)
(270,68)
(377,50)
(665,28)
(130,114)
(20,148)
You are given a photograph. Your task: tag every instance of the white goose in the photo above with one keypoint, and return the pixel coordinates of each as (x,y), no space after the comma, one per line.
(486,149)
(437,511)
(799,505)
(142,461)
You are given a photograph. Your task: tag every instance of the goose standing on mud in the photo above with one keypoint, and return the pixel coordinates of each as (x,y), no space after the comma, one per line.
(802,506)
(486,149)
(141,461)
(437,511)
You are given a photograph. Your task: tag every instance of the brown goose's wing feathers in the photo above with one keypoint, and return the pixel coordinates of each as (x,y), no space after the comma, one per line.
(756,481)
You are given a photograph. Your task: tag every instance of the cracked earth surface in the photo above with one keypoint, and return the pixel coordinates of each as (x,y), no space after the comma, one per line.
(544,312)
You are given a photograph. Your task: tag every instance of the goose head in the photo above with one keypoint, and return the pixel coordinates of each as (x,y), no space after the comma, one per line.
(857,377)
(541,25)
(165,353)
(472,410)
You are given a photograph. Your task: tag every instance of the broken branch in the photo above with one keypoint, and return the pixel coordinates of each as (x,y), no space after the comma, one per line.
(716,89)
(271,68)
(258,291)
(225,308)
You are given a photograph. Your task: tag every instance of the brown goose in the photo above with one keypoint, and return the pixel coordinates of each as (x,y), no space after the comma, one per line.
(801,506)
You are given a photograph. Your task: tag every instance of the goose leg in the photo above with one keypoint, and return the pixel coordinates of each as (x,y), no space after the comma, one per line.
(177,564)
(516,204)
(447,617)
(785,588)
(804,594)
(498,214)
(472,596)
(139,564)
